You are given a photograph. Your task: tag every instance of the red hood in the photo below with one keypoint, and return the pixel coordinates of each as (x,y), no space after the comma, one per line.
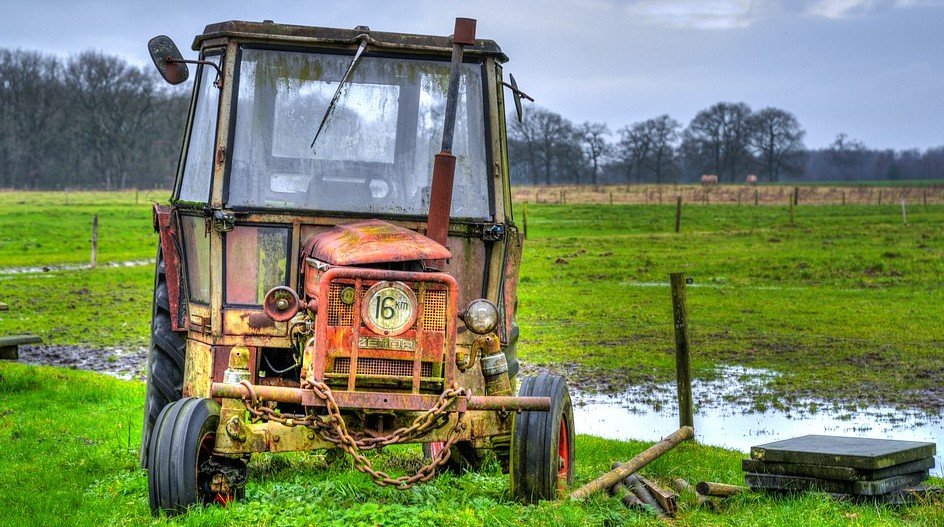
(371,242)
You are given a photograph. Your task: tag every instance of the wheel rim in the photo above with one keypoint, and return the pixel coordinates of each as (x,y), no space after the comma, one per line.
(435,448)
(204,454)
(563,456)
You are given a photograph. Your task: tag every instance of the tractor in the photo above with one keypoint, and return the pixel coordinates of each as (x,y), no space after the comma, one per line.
(338,264)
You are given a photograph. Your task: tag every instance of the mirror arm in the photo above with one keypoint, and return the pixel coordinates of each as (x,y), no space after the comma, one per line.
(219,73)
(519,92)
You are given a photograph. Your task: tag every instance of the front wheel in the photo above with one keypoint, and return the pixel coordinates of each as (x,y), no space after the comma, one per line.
(542,445)
(182,470)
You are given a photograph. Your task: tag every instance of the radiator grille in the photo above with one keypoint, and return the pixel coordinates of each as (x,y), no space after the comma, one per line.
(434,311)
(394,367)
(339,313)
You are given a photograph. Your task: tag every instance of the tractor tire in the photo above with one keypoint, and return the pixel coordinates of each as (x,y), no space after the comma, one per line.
(179,468)
(542,445)
(165,360)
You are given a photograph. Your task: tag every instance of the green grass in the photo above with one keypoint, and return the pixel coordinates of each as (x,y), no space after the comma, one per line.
(845,304)
(69,456)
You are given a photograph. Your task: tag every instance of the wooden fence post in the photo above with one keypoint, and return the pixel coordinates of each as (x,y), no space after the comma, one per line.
(524,219)
(843,197)
(678,214)
(683,366)
(904,215)
(796,195)
(791,210)
(880,192)
(756,197)
(611,197)
(94,260)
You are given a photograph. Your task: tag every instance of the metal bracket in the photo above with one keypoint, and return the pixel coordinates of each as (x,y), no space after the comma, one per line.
(493,232)
(223,220)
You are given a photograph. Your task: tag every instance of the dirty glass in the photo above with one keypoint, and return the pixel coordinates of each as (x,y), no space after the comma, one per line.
(196,257)
(195,185)
(375,152)
(256,261)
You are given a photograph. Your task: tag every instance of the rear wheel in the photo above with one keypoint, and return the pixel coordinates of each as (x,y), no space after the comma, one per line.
(182,470)
(542,446)
(165,359)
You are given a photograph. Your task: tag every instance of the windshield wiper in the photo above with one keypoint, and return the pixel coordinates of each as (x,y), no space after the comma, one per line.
(337,93)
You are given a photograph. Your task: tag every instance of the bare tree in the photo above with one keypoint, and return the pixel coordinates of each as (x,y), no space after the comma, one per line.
(632,148)
(595,146)
(719,137)
(663,133)
(846,155)
(777,141)
(550,145)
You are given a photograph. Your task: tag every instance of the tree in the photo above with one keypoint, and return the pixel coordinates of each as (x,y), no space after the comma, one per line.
(632,148)
(718,137)
(595,146)
(846,155)
(550,144)
(663,136)
(777,140)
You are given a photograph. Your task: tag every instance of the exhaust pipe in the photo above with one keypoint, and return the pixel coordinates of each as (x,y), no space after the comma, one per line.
(444,165)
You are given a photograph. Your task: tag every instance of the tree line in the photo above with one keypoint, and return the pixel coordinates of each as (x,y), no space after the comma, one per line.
(729,140)
(87,121)
(95,121)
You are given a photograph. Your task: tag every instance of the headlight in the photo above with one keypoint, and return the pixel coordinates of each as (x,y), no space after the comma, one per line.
(389,308)
(481,316)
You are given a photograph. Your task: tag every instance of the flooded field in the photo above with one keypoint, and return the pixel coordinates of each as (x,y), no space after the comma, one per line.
(724,415)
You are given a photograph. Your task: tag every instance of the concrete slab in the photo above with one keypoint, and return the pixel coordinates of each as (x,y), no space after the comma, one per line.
(852,452)
(832,472)
(861,488)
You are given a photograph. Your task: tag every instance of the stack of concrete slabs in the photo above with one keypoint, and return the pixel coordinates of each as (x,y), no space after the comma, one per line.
(840,465)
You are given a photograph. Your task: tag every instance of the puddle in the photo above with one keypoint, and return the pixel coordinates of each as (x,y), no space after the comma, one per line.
(123,363)
(729,420)
(70,267)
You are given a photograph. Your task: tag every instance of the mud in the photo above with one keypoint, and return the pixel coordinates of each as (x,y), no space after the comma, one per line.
(727,414)
(123,363)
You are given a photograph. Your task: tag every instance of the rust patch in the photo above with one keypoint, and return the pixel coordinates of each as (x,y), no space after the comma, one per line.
(167,230)
(372,241)
(260,320)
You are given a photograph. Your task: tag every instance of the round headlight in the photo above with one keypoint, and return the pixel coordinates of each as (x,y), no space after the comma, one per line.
(389,308)
(481,316)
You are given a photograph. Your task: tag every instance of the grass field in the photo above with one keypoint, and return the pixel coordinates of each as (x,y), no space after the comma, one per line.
(80,471)
(844,304)
(817,193)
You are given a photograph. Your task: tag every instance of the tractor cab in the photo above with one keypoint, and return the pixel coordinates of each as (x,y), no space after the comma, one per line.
(338,263)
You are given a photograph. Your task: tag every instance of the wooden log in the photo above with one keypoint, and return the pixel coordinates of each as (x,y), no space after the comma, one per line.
(626,496)
(633,465)
(684,487)
(720,490)
(648,500)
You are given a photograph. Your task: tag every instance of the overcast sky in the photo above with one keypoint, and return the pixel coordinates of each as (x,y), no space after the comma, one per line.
(873,69)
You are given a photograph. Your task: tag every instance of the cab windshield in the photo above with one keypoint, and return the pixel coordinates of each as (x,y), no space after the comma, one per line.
(374,154)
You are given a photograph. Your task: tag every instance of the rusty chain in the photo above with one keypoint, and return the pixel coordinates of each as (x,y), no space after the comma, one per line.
(333,429)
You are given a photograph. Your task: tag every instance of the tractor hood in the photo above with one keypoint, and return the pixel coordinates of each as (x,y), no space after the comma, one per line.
(372,242)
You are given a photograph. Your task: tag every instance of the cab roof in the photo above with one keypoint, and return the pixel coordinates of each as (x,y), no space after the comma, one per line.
(273,33)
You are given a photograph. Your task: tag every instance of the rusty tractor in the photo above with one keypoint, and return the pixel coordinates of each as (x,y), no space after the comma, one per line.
(337,267)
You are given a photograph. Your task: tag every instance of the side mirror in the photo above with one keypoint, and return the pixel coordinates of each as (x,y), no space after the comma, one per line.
(518,95)
(168,60)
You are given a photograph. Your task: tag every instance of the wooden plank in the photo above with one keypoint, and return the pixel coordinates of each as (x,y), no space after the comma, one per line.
(16,340)
(853,452)
(667,500)
(831,472)
(4,307)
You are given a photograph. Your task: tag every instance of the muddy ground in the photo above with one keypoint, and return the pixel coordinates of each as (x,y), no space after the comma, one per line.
(124,363)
